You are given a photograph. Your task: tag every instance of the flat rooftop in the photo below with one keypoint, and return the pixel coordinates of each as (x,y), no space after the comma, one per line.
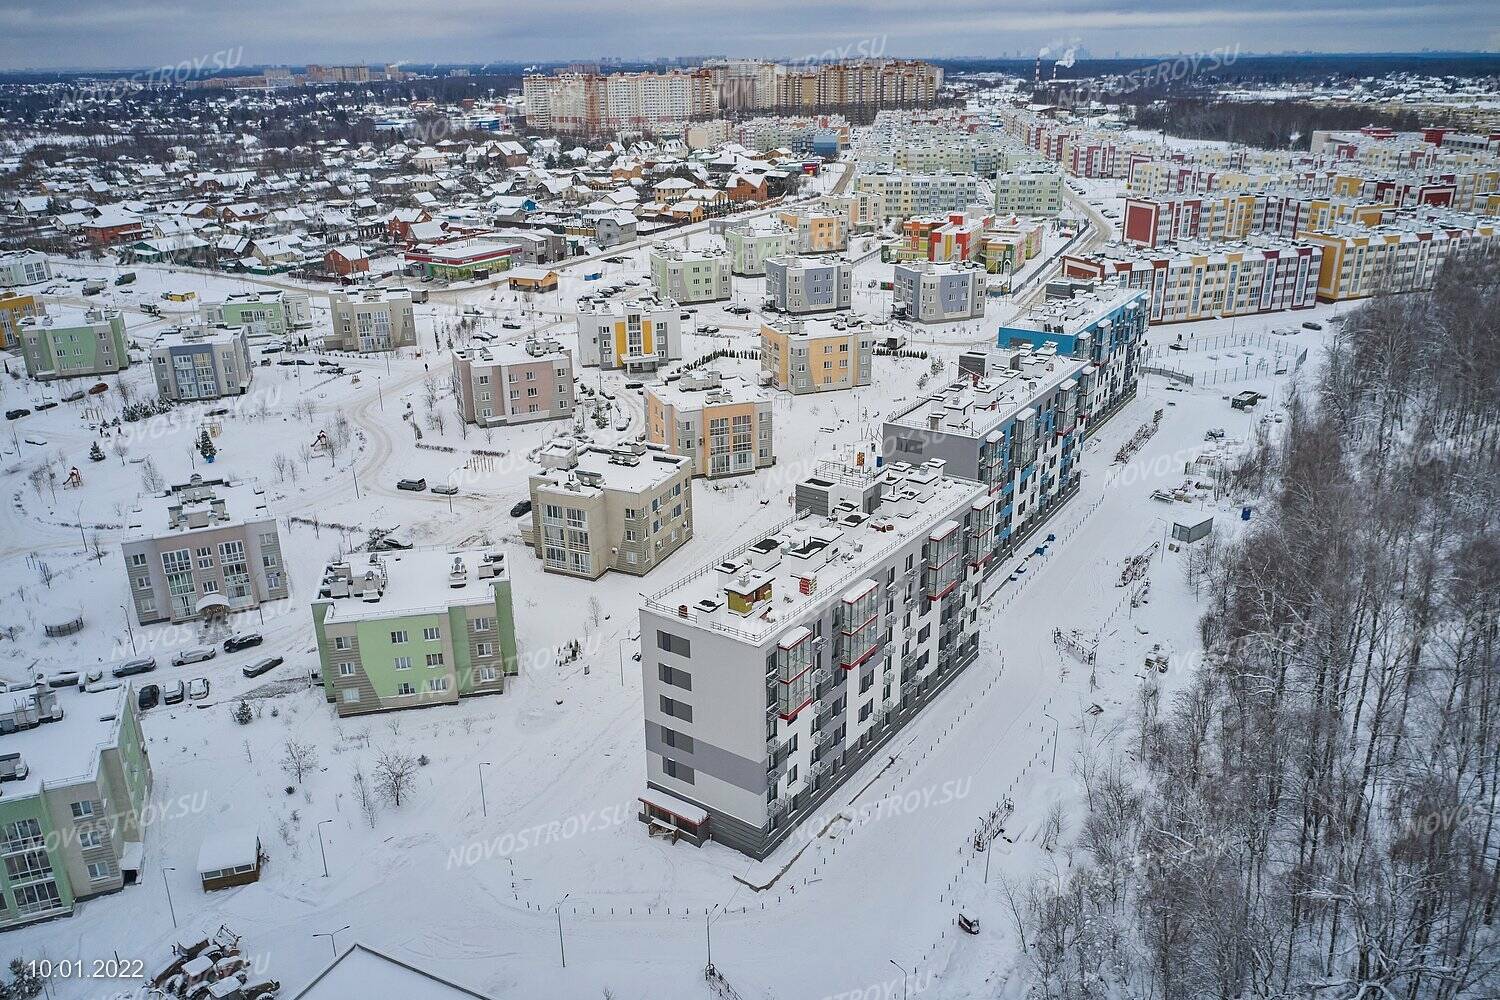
(66,750)
(597,304)
(689,396)
(63,317)
(834,553)
(495,355)
(375,585)
(1196,248)
(205,504)
(1079,312)
(587,471)
(810,327)
(198,334)
(707,251)
(978,408)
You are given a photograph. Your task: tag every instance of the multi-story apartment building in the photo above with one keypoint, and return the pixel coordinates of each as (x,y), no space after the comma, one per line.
(1401,256)
(414,628)
(955,236)
(13,309)
(772,675)
(503,384)
(637,335)
(374,319)
(202,548)
(77,779)
(274,313)
(863,211)
(903,195)
(690,275)
(1036,190)
(880,83)
(816,231)
(816,355)
(1157,221)
(800,285)
(70,343)
(1016,429)
(750,243)
(1194,282)
(1103,324)
(593,509)
(1005,248)
(591,102)
(939,292)
(24,267)
(723,426)
(202,362)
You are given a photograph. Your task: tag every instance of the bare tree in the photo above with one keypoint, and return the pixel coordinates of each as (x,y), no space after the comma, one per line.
(298,759)
(395,776)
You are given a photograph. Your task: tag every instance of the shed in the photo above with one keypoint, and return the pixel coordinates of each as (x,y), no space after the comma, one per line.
(1192,531)
(229,857)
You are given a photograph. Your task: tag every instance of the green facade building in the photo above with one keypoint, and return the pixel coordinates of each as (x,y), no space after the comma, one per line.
(72,343)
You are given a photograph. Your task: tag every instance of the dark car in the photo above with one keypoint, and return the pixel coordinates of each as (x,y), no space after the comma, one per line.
(50,404)
(17,413)
(130,668)
(73,396)
(148,696)
(1309,325)
(244,640)
(98,387)
(523,507)
(262,666)
(414,485)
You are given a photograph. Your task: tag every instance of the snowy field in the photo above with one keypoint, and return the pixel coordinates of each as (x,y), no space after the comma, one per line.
(475,890)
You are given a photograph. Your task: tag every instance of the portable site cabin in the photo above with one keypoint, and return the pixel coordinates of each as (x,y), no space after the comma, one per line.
(229,857)
(1192,532)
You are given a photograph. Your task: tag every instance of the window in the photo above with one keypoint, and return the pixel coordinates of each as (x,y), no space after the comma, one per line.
(487,674)
(674,644)
(82,810)
(341,642)
(676,709)
(88,839)
(681,772)
(483,624)
(432,634)
(346,670)
(351,695)
(676,740)
(434,659)
(675,677)
(437,684)
(138,559)
(100,871)
(399,637)
(405,688)
(403,663)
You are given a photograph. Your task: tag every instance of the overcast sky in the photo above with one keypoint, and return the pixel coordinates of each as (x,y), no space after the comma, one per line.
(148,33)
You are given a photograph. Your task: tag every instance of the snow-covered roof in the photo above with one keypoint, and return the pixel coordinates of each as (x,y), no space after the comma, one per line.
(231,847)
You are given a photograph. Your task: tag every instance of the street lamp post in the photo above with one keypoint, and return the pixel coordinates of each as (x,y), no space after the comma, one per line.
(128,629)
(561,952)
(330,935)
(321,850)
(167,886)
(483,806)
(1055,731)
(904,974)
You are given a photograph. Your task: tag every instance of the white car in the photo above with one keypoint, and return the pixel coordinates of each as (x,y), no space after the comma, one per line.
(196,654)
(197,688)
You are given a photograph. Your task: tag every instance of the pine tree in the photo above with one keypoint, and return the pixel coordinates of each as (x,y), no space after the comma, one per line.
(206,446)
(96,454)
(242,713)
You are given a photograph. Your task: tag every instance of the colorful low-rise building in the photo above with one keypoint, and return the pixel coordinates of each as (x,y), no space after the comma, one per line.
(373,319)
(500,384)
(13,309)
(199,361)
(636,335)
(816,355)
(723,425)
(71,343)
(414,628)
(690,275)
(798,285)
(942,292)
(752,243)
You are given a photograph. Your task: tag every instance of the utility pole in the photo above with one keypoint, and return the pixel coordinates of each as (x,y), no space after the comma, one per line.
(321,850)
(562,954)
(483,806)
(166,885)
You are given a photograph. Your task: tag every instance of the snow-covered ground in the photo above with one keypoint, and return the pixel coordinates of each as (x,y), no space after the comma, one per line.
(475,889)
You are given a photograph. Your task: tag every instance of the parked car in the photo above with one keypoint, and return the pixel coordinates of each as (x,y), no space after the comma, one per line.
(242,640)
(447,490)
(521,507)
(17,413)
(635,385)
(132,667)
(98,387)
(149,696)
(46,404)
(198,688)
(510,324)
(194,654)
(88,677)
(174,693)
(1310,325)
(262,666)
(66,679)
(73,396)
(414,485)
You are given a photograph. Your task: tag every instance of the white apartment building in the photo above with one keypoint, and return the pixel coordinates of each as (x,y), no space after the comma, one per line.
(903,195)
(594,509)
(1029,191)
(637,335)
(771,675)
(374,319)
